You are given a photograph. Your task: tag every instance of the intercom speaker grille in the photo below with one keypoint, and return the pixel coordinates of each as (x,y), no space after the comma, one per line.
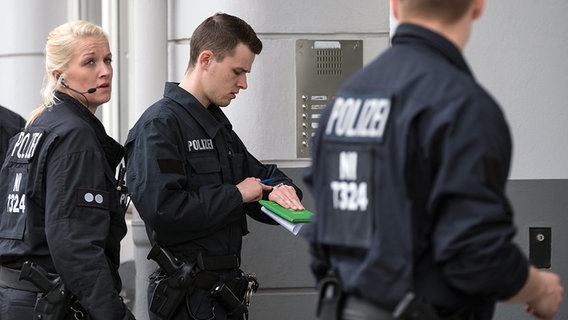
(329,62)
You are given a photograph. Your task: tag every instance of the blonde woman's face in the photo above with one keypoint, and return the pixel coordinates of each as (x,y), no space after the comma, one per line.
(90,68)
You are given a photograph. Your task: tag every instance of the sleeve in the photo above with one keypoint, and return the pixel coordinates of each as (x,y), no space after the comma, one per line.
(474,222)
(158,179)
(253,209)
(77,223)
(254,168)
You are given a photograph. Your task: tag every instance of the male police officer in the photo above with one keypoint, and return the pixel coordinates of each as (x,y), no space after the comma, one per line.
(409,170)
(10,124)
(193,181)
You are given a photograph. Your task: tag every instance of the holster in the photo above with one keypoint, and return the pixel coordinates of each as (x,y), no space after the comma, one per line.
(330,297)
(179,279)
(172,288)
(234,294)
(54,300)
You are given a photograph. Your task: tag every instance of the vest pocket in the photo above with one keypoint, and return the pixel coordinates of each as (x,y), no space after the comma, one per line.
(348,218)
(13,219)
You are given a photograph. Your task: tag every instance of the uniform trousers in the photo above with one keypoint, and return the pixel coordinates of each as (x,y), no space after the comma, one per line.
(16,304)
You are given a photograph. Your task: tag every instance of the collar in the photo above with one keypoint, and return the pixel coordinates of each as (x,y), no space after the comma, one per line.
(78,109)
(407,33)
(211,119)
(114,151)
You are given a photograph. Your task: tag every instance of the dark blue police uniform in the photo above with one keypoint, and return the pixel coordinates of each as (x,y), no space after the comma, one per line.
(410,163)
(62,211)
(183,164)
(10,124)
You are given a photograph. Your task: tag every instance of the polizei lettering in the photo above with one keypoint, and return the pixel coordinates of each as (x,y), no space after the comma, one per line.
(353,117)
(200,145)
(26,145)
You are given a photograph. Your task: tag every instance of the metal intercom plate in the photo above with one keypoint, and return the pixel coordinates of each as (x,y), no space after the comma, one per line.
(321,67)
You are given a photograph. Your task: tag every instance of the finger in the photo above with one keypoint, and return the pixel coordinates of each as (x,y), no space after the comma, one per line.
(279,195)
(292,198)
(288,197)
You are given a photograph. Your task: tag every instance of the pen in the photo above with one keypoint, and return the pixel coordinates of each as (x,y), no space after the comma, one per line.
(266,180)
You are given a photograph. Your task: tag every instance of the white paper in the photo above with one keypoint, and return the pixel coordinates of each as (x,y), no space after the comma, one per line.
(290,226)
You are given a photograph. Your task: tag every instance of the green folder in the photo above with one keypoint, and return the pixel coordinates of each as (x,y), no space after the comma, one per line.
(294,216)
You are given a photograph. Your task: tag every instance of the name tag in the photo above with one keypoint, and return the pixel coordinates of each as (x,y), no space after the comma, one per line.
(200,145)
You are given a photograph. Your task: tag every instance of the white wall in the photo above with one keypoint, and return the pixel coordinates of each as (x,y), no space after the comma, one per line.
(519,51)
(25,25)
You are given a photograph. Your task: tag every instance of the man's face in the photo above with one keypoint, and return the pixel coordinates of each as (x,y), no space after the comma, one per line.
(225,78)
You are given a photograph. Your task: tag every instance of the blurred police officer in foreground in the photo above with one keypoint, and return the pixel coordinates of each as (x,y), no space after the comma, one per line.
(62,219)
(10,124)
(194,182)
(409,170)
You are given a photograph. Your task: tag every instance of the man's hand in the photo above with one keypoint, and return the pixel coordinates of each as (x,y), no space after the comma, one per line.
(545,306)
(542,294)
(251,189)
(286,197)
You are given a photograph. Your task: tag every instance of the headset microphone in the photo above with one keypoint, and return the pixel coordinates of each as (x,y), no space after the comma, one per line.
(91,90)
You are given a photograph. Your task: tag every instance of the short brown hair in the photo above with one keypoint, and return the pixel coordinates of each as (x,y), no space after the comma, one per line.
(221,33)
(448,11)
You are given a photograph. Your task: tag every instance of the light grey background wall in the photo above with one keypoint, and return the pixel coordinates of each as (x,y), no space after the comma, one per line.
(25,25)
(517,50)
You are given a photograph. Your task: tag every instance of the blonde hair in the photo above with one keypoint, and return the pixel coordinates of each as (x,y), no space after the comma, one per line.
(59,50)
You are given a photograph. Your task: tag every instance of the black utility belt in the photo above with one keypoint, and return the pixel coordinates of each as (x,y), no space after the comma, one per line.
(218,275)
(54,301)
(11,278)
(217,263)
(206,280)
(235,280)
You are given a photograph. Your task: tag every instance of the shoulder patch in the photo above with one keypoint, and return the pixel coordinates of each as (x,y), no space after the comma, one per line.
(92,198)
